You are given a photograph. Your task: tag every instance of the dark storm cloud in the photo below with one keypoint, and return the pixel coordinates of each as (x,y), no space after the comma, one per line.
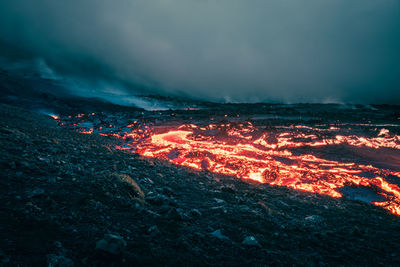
(258,50)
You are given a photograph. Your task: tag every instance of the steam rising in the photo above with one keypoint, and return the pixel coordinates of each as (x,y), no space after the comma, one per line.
(223,50)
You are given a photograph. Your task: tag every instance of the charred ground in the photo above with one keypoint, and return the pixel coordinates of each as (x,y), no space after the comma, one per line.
(63,192)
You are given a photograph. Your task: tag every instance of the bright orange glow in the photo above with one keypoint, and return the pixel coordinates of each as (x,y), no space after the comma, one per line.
(265,162)
(88,131)
(244,151)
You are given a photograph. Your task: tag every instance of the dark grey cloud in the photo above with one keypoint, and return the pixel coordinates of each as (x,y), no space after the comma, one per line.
(258,50)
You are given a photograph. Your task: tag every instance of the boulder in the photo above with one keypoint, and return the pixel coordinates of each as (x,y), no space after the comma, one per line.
(112,244)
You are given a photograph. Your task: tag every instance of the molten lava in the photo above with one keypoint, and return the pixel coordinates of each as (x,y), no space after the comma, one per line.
(261,161)
(282,156)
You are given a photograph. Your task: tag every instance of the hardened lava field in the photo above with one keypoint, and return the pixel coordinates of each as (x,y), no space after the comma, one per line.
(317,148)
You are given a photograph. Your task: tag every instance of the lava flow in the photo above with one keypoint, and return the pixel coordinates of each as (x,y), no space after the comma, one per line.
(283,156)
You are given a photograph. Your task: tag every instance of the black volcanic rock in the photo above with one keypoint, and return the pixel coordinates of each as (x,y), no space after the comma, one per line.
(113,244)
(62,192)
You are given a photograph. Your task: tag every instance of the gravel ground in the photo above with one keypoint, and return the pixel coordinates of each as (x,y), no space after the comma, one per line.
(70,199)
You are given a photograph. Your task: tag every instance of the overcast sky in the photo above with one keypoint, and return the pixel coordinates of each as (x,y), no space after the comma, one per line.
(224,50)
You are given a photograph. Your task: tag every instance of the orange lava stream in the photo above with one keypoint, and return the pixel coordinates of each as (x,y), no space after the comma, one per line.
(267,157)
(259,161)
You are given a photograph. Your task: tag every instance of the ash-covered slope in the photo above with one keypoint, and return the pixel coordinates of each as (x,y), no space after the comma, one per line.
(69,198)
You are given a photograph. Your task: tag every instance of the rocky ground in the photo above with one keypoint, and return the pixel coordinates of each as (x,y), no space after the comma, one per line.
(70,199)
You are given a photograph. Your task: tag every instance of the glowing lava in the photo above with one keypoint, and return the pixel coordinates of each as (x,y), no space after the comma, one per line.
(273,157)
(54,116)
(261,161)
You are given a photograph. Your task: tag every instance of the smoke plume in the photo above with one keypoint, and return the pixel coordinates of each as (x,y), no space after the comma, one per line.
(220,50)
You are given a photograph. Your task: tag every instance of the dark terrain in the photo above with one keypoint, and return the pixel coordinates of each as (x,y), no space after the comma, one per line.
(73,199)
(63,191)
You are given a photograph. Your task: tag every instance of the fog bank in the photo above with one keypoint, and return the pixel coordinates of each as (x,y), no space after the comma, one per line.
(221,50)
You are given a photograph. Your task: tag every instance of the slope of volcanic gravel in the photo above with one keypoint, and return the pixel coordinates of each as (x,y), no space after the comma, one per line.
(63,193)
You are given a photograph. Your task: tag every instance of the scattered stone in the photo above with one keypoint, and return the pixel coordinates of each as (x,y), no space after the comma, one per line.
(314,219)
(195,213)
(228,189)
(175,214)
(167,191)
(208,177)
(32,206)
(113,244)
(218,234)
(250,241)
(157,199)
(127,179)
(58,244)
(58,261)
(82,209)
(153,214)
(37,192)
(219,201)
(52,180)
(244,208)
(13,165)
(153,230)
(220,208)
(148,180)
(163,209)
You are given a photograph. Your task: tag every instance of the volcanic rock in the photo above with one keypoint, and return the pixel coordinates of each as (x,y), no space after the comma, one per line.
(37,192)
(195,213)
(153,230)
(157,199)
(167,191)
(113,244)
(228,189)
(250,241)
(313,220)
(58,261)
(219,201)
(75,206)
(218,234)
(175,214)
(134,186)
